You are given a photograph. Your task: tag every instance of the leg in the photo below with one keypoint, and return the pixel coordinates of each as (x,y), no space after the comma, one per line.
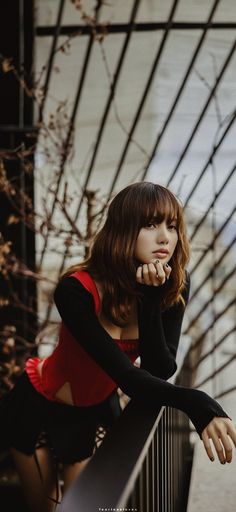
(35,490)
(71,471)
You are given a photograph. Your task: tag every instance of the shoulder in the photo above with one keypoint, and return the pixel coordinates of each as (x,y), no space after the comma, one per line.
(70,288)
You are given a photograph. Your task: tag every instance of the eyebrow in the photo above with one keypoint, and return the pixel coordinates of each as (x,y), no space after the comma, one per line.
(156,219)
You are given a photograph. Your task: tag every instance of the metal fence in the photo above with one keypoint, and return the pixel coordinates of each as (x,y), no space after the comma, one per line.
(162,484)
(143,465)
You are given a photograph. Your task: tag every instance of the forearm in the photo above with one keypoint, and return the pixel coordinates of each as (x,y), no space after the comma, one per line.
(146,389)
(76,308)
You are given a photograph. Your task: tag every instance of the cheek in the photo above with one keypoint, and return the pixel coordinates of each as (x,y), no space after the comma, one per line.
(174,242)
(140,243)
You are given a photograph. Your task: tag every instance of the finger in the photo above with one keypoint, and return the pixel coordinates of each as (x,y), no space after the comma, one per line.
(153,274)
(139,274)
(167,270)
(231,431)
(160,272)
(219,448)
(146,277)
(207,445)
(224,439)
(228,448)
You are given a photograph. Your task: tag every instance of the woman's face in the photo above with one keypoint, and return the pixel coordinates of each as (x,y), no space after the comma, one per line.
(156,241)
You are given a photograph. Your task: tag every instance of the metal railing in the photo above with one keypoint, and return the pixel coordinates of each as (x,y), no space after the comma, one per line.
(143,464)
(162,483)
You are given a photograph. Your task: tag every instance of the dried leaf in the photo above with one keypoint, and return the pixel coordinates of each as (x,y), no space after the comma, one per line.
(3,302)
(7,65)
(13,219)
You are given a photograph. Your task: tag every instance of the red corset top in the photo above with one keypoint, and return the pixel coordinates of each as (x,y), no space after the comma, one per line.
(70,363)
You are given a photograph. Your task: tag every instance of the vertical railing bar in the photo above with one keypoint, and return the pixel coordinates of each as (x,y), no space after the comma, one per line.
(148,481)
(160,464)
(162,467)
(156,472)
(174,467)
(167,460)
(170,457)
(164,463)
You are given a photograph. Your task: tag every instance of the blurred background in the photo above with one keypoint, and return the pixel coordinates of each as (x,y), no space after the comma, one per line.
(96,95)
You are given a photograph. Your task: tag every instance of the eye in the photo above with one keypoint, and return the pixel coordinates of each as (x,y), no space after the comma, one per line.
(172,227)
(150,225)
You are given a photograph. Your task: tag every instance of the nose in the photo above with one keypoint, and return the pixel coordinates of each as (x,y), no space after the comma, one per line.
(163,234)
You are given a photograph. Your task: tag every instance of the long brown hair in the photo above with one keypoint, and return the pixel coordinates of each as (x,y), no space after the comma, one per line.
(111,260)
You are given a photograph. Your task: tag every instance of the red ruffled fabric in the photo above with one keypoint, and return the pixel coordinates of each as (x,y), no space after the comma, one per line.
(31,367)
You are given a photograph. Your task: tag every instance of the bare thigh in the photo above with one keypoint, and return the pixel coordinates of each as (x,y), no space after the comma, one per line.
(35,489)
(72,471)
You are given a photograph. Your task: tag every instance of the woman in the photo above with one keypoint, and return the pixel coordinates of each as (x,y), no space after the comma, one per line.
(126,300)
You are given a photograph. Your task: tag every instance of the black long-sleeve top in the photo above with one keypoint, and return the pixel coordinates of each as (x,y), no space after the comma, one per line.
(159,334)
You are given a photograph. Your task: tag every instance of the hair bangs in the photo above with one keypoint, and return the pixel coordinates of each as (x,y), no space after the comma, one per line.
(158,206)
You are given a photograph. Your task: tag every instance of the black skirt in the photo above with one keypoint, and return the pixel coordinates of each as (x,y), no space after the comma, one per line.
(71,432)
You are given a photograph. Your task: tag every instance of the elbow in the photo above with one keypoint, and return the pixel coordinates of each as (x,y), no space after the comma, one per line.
(164,372)
(171,370)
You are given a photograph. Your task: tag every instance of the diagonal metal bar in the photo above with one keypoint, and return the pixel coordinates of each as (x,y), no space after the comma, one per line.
(216,372)
(200,339)
(212,155)
(208,302)
(217,235)
(181,88)
(110,98)
(193,367)
(71,126)
(225,392)
(203,218)
(211,272)
(56,33)
(144,96)
(204,109)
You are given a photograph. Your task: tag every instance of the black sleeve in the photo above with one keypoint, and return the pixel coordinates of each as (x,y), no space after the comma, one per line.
(162,331)
(172,320)
(76,307)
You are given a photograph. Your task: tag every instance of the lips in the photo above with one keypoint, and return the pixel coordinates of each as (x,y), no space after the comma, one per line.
(161,251)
